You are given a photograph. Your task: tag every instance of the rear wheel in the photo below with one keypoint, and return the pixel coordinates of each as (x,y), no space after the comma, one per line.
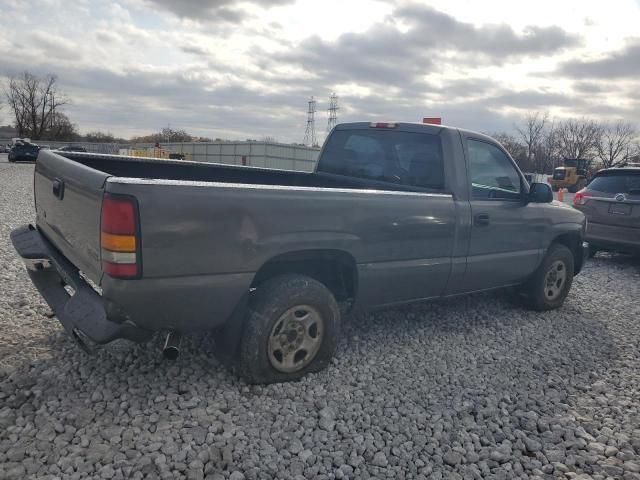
(554,188)
(291,330)
(549,286)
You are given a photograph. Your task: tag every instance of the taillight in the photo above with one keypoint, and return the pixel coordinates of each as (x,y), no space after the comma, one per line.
(382,125)
(119,237)
(580,198)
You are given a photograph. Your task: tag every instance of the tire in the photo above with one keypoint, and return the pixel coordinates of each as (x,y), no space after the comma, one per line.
(283,308)
(574,188)
(554,188)
(537,290)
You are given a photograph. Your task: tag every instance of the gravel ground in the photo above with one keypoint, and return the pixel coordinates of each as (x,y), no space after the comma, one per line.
(469,388)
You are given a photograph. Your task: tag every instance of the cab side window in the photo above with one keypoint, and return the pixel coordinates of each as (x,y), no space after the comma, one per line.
(493,175)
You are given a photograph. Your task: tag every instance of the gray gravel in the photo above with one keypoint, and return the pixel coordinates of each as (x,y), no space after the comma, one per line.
(464,389)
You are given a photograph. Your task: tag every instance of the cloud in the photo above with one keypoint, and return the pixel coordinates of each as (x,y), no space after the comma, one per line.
(53,46)
(415,42)
(211,10)
(589,87)
(437,29)
(624,63)
(195,50)
(534,100)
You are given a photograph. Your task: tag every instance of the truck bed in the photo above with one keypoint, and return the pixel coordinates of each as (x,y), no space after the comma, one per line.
(151,168)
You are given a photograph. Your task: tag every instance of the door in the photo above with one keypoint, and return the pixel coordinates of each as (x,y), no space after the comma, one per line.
(403,215)
(504,245)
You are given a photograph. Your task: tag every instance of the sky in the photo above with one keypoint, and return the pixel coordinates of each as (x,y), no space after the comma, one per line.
(237,70)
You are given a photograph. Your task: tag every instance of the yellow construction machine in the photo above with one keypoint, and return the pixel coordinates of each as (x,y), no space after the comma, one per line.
(572,176)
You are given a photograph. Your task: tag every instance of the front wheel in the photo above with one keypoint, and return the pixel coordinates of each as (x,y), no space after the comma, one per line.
(291,330)
(549,286)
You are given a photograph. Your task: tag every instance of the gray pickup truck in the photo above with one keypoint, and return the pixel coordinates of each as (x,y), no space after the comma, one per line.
(269,260)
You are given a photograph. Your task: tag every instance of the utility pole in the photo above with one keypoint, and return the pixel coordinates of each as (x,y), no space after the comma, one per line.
(52,111)
(333,112)
(310,132)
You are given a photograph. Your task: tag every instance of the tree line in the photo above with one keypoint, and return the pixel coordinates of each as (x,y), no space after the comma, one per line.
(539,143)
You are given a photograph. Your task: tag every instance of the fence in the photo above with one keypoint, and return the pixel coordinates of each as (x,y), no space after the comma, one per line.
(254,154)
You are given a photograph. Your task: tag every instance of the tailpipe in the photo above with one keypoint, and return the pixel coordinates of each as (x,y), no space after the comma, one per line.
(171,349)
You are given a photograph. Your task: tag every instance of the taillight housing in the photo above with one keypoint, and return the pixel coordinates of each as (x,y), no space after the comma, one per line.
(580,198)
(120,237)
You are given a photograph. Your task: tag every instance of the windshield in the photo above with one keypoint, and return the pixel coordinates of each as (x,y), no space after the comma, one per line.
(623,182)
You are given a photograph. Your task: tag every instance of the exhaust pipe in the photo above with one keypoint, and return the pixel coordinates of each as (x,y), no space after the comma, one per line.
(171,349)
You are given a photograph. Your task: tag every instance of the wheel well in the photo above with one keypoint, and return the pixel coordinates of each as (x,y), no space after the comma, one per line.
(573,242)
(335,269)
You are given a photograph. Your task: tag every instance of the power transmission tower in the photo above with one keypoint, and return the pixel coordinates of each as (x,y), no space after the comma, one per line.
(333,112)
(310,132)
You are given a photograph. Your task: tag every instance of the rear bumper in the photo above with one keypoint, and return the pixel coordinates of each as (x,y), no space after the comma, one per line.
(82,314)
(613,237)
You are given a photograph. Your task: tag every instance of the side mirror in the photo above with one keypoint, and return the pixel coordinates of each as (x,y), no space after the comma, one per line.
(540,193)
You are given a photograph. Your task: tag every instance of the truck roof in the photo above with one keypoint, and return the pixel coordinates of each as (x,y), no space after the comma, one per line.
(415,127)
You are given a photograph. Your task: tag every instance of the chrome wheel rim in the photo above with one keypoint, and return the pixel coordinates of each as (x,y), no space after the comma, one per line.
(295,338)
(555,280)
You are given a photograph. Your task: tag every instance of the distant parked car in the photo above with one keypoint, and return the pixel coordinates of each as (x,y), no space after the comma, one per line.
(5,148)
(24,152)
(71,148)
(611,203)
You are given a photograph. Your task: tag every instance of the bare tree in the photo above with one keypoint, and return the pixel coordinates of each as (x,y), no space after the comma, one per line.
(578,138)
(616,144)
(517,150)
(61,128)
(165,135)
(546,154)
(532,131)
(99,137)
(33,102)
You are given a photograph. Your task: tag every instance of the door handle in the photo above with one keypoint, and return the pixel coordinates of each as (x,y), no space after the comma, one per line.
(58,188)
(481,220)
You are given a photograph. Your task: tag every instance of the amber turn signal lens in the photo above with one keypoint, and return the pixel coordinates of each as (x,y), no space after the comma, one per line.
(118,243)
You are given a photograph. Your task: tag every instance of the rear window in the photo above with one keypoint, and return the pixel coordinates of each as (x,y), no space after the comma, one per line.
(617,183)
(405,158)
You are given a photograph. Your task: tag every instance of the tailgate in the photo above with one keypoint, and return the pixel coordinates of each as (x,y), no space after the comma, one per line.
(68,197)
(624,212)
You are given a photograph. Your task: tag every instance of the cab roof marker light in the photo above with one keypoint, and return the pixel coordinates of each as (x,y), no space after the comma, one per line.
(383,125)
